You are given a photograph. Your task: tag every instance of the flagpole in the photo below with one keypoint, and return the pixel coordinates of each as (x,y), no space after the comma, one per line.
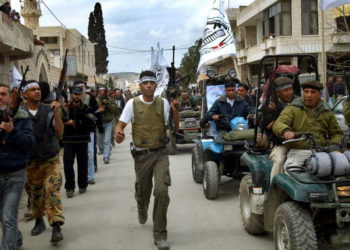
(323,53)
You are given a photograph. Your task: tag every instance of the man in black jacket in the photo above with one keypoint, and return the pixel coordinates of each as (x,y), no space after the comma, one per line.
(227,107)
(243,90)
(75,140)
(16,138)
(44,179)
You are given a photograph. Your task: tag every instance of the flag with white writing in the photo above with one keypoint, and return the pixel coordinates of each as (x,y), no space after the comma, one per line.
(218,41)
(16,78)
(158,64)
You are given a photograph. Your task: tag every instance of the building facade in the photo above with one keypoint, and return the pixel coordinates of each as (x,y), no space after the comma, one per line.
(16,43)
(269,27)
(52,43)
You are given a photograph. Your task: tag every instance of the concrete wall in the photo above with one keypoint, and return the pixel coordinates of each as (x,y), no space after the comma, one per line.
(40,64)
(78,46)
(16,42)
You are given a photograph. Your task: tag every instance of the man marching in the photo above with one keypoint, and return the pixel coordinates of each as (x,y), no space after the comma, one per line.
(149,116)
(43,171)
(16,137)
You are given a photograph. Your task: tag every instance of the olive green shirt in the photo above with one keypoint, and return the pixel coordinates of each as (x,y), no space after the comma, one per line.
(296,117)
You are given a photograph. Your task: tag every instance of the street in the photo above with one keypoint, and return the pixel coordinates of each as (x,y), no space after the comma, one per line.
(105,217)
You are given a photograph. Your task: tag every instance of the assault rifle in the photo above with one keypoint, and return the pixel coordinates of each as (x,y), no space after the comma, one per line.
(62,81)
(171,94)
(11,111)
(17,96)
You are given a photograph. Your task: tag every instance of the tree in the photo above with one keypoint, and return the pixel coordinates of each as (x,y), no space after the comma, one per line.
(92,27)
(110,83)
(96,32)
(189,62)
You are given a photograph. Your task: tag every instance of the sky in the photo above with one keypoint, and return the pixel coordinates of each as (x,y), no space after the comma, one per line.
(136,25)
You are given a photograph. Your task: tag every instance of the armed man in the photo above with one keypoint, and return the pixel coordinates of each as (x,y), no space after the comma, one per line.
(308,114)
(76,137)
(16,138)
(227,107)
(43,171)
(149,117)
(284,95)
(107,108)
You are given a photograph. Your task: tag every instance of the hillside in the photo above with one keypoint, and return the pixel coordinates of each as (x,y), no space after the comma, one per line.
(130,76)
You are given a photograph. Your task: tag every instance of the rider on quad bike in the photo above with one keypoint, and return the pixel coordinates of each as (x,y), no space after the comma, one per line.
(308,114)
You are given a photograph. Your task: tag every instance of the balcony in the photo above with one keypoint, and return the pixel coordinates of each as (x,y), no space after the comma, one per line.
(341,38)
(16,40)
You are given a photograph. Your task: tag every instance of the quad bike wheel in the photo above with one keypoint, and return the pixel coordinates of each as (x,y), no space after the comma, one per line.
(197,173)
(293,228)
(211,180)
(253,223)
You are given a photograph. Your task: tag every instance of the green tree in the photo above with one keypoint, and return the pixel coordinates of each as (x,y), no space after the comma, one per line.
(110,83)
(96,33)
(189,62)
(92,27)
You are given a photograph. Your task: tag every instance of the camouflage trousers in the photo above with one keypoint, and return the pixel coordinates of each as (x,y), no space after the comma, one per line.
(44,181)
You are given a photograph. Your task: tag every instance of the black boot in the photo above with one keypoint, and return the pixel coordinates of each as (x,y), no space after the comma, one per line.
(39,226)
(57,235)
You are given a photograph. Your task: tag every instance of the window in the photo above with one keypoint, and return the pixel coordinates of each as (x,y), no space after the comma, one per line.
(309,17)
(278,20)
(49,39)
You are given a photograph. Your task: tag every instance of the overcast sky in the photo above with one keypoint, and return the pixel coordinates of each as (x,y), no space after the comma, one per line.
(136,24)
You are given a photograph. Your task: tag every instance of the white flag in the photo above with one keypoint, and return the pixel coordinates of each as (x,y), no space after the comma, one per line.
(16,78)
(159,65)
(329,4)
(218,41)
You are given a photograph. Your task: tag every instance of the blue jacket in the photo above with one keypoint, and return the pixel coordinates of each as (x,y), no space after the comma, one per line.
(14,152)
(222,107)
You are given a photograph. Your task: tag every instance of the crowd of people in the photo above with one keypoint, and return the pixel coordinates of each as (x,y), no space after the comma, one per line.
(88,120)
(6,8)
(31,145)
(336,88)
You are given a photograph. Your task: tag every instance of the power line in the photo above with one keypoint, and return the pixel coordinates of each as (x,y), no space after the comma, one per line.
(64,26)
(121,50)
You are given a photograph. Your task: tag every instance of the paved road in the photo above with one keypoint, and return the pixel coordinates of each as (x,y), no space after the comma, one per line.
(105,218)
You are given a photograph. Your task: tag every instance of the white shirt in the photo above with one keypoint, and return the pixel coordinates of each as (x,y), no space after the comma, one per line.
(33,112)
(128,112)
(231,101)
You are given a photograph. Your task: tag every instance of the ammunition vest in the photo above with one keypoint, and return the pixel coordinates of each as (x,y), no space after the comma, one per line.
(148,130)
(46,142)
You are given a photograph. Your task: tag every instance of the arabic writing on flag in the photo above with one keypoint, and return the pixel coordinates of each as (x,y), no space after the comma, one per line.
(159,65)
(16,78)
(218,40)
(329,4)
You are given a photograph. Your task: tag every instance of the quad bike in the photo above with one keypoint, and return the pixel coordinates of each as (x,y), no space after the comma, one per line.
(307,204)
